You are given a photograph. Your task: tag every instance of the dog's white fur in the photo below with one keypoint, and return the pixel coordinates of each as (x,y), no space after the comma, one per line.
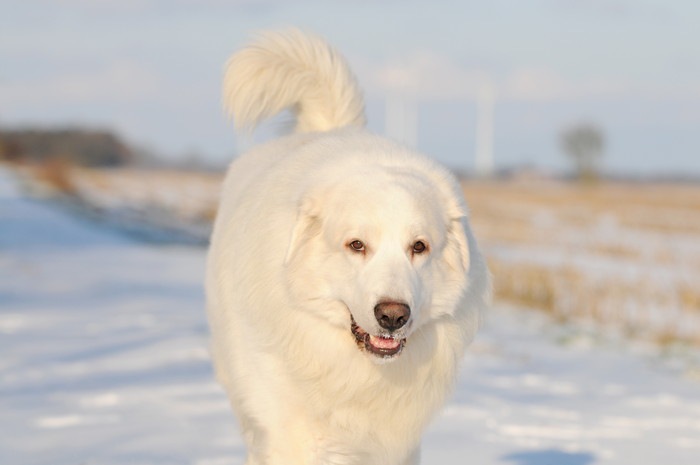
(282,283)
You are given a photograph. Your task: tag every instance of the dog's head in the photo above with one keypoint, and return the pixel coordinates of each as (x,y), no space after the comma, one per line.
(381,253)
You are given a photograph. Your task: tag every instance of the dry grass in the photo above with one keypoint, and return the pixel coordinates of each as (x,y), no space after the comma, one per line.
(56,175)
(656,207)
(190,196)
(625,256)
(621,255)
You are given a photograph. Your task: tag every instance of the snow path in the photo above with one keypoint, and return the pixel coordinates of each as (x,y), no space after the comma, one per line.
(103,360)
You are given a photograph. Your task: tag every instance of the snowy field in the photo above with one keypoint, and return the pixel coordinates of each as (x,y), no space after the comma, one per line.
(621,256)
(103,360)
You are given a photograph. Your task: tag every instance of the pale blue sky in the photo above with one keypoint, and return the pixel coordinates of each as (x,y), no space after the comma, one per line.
(151,70)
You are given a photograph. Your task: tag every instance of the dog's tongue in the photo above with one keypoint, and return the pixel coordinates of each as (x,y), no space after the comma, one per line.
(384,342)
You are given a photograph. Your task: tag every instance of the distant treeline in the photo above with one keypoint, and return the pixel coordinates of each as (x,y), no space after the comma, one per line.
(79,146)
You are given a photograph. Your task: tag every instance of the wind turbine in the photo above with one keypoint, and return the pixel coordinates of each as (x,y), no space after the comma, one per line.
(485,102)
(401,118)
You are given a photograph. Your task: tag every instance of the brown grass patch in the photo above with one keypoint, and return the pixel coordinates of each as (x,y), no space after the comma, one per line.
(611,250)
(56,174)
(526,285)
(689,298)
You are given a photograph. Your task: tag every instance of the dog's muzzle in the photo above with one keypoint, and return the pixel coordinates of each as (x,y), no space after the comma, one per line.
(390,316)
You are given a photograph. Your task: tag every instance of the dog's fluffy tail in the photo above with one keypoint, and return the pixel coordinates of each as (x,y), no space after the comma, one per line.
(295,70)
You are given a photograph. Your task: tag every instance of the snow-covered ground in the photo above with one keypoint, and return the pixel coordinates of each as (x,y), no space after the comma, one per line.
(103,360)
(623,256)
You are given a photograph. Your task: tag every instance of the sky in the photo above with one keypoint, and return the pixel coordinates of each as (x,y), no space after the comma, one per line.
(151,70)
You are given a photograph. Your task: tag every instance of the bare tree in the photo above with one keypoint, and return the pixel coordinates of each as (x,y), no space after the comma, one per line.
(584,143)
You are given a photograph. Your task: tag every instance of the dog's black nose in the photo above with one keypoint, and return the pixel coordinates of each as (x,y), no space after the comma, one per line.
(392,315)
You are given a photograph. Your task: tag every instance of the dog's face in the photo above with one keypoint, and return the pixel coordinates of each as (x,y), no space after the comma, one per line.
(389,252)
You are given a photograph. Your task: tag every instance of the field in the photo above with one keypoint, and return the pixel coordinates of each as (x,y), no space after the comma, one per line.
(623,257)
(105,357)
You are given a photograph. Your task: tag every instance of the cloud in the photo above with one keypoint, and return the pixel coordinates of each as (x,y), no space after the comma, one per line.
(427,75)
(119,81)
(544,84)
(615,9)
(431,76)
(146,5)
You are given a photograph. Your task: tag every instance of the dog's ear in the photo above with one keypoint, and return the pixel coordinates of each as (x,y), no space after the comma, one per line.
(459,238)
(457,247)
(306,226)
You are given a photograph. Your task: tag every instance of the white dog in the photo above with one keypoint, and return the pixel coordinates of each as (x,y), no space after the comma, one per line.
(343,281)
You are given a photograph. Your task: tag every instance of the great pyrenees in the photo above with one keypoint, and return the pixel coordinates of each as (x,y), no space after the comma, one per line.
(343,281)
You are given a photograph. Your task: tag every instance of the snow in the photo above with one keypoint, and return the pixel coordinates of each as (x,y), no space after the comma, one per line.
(104,360)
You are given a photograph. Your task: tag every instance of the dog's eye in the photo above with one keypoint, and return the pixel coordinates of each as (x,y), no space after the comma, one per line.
(419,247)
(357,246)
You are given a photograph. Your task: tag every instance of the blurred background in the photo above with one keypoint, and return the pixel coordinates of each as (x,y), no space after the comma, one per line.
(150,72)
(574,125)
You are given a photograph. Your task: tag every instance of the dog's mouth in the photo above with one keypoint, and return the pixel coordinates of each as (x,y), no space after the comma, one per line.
(383,346)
